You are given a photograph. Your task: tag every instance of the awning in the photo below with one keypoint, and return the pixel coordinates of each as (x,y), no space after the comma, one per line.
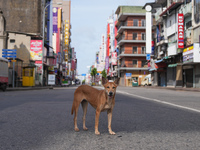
(173,6)
(167,57)
(153,69)
(158,61)
(172,65)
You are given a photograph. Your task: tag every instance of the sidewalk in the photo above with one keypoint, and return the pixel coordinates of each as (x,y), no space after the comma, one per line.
(56,86)
(174,88)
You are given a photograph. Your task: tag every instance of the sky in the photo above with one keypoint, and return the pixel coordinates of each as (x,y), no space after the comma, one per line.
(88,21)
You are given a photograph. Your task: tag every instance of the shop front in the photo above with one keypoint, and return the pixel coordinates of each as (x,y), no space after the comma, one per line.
(160,65)
(191,60)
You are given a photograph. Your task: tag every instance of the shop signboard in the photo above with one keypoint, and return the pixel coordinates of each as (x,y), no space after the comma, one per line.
(55,20)
(114,58)
(107,62)
(188,54)
(51,79)
(128,75)
(180,31)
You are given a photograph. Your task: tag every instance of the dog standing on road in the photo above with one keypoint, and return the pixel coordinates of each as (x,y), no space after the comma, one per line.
(101,100)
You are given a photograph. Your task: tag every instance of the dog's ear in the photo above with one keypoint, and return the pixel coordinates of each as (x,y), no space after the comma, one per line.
(104,80)
(117,81)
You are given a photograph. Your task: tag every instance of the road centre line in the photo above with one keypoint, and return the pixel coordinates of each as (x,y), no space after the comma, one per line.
(160,101)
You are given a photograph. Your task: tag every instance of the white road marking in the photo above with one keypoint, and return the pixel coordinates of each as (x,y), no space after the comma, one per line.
(160,101)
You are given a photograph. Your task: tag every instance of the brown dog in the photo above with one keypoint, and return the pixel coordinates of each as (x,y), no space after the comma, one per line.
(101,100)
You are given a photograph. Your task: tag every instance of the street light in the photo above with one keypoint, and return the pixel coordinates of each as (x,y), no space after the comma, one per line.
(58,3)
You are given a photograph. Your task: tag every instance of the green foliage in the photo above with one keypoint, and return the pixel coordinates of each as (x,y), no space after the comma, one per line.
(104,74)
(93,72)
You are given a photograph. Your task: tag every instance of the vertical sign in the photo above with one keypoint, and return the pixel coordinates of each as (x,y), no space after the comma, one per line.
(180,31)
(55,20)
(114,58)
(107,62)
(148,32)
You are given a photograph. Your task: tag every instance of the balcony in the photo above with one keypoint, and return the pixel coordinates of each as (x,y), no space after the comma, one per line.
(157,15)
(172,6)
(186,9)
(132,67)
(124,25)
(131,39)
(132,55)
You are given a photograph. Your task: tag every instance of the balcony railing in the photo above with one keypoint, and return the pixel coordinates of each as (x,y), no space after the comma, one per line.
(130,65)
(130,24)
(131,37)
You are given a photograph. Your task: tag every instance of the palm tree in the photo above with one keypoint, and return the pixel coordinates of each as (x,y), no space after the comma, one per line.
(93,74)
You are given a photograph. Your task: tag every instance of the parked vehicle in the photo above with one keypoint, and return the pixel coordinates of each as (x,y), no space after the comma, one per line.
(3,73)
(146,81)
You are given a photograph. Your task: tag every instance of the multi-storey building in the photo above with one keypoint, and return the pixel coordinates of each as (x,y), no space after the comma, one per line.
(132,64)
(173,55)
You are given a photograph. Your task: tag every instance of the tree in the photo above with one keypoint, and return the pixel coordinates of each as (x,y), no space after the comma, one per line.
(93,73)
(104,74)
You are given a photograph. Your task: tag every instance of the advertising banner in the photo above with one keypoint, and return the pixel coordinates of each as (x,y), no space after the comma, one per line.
(36,49)
(100,67)
(107,62)
(55,20)
(180,31)
(188,54)
(114,58)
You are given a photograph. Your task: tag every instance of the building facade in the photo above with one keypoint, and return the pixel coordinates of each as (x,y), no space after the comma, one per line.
(132,64)
(176,56)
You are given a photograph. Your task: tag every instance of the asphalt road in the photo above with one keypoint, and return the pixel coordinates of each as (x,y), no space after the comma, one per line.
(143,118)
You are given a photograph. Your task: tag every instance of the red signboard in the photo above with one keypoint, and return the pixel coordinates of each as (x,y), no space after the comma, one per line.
(180,31)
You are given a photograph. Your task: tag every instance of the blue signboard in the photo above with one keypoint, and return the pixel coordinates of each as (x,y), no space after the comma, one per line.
(83,75)
(9,53)
(148,57)
(128,74)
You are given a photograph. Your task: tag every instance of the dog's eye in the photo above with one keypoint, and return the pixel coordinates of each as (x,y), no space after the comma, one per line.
(113,87)
(108,87)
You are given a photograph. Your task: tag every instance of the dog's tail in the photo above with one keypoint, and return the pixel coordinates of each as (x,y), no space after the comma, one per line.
(72,109)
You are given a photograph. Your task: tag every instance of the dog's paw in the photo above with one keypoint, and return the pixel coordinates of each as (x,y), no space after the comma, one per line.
(112,133)
(85,128)
(76,129)
(97,132)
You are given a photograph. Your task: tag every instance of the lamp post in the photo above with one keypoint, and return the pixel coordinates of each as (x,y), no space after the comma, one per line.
(43,26)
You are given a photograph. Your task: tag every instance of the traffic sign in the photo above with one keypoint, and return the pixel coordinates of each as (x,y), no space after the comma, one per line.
(9,53)
(9,50)
(10,56)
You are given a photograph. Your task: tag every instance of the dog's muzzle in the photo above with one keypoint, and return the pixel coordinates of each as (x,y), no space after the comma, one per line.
(110,94)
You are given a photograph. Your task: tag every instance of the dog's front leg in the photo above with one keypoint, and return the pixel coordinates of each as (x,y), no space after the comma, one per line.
(109,112)
(97,122)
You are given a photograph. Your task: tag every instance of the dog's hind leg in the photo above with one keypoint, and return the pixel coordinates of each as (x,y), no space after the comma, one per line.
(76,104)
(84,104)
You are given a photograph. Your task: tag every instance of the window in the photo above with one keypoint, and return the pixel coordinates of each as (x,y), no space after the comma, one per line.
(134,63)
(135,22)
(143,50)
(134,50)
(188,24)
(196,11)
(143,23)
(134,36)
(12,40)
(143,36)
(144,63)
